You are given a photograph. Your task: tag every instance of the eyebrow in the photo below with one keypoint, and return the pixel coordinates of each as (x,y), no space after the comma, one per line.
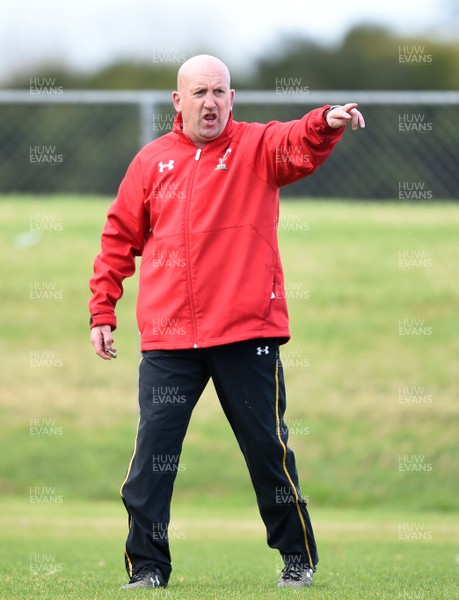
(202,87)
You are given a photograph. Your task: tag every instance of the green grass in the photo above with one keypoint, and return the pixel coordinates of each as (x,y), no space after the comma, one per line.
(344,366)
(350,427)
(221,554)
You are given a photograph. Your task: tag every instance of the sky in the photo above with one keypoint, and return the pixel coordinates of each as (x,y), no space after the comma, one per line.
(86,35)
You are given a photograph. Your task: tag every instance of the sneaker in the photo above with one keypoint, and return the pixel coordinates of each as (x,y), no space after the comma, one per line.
(147,577)
(294,575)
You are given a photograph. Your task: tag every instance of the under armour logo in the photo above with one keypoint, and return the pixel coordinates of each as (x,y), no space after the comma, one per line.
(155,581)
(169,165)
(261,350)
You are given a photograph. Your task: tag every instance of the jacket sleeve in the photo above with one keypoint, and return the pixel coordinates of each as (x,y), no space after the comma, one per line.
(123,238)
(295,149)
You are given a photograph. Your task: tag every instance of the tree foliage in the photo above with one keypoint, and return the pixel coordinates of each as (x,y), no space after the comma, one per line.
(368,57)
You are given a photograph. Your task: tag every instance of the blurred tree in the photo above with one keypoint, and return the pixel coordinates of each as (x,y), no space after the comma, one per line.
(368,58)
(121,75)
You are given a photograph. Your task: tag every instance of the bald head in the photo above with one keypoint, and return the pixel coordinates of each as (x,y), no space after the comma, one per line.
(203,97)
(202,65)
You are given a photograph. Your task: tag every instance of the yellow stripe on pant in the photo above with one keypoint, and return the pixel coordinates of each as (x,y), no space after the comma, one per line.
(284,466)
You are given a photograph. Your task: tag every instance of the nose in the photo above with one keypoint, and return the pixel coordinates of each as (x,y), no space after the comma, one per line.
(210,100)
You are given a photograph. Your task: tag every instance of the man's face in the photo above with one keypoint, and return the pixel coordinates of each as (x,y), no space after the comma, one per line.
(205,100)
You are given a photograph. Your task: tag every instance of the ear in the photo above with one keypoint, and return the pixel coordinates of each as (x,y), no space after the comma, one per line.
(231,98)
(176,101)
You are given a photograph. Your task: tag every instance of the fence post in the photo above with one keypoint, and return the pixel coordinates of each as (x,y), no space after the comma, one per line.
(146,112)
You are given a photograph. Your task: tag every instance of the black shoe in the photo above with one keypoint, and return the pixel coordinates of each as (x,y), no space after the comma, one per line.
(294,575)
(147,577)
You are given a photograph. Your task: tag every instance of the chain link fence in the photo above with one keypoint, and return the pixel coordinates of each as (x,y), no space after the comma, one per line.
(82,141)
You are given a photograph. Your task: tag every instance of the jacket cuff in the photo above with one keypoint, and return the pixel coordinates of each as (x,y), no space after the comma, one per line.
(325,125)
(102,319)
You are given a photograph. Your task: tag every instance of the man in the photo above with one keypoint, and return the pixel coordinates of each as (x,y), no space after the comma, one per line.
(200,205)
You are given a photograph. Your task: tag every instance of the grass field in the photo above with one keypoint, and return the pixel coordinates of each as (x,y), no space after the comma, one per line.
(373,410)
(74,551)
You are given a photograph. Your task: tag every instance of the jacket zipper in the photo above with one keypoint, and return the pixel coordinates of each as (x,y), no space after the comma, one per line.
(187,247)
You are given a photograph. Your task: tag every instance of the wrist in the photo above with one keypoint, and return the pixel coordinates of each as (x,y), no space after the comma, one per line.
(331,108)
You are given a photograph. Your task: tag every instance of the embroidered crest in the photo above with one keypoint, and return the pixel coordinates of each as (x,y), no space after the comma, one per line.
(221,161)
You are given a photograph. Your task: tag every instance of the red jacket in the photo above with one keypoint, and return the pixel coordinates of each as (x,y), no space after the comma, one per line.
(205,223)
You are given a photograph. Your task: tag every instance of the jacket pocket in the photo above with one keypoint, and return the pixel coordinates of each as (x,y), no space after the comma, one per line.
(233,276)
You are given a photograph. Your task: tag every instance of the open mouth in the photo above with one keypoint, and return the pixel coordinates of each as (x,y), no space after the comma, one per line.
(210,118)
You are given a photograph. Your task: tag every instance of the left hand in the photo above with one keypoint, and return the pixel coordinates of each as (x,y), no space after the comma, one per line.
(340,116)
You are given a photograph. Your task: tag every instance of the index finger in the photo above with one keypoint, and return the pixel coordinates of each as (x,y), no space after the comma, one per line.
(348,107)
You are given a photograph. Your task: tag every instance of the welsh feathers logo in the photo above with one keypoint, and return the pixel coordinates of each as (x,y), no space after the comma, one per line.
(222,161)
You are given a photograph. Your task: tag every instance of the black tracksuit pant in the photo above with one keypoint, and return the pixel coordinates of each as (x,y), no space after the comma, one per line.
(249,381)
